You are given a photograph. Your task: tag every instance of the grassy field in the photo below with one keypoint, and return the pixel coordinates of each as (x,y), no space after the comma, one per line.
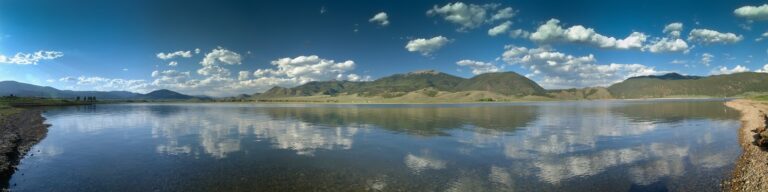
(11,105)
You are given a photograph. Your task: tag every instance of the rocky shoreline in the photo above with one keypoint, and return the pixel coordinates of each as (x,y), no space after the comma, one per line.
(18,133)
(751,171)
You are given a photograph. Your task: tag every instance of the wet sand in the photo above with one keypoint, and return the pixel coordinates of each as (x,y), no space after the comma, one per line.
(751,171)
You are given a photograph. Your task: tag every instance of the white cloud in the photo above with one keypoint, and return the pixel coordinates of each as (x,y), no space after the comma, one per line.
(380,18)
(214,70)
(108,84)
(722,70)
(753,12)
(223,56)
(217,80)
(501,28)
(519,33)
(243,75)
(427,46)
(502,14)
(559,70)
(667,45)
(711,36)
(553,32)
(673,29)
(763,36)
(166,56)
(706,59)
(468,16)
(672,43)
(30,58)
(677,61)
(173,63)
(304,69)
(479,67)
(197,50)
(763,70)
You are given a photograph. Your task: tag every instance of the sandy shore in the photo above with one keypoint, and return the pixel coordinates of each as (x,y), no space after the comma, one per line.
(751,171)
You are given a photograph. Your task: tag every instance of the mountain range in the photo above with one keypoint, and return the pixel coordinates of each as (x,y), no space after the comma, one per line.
(433,84)
(29,90)
(511,84)
(505,83)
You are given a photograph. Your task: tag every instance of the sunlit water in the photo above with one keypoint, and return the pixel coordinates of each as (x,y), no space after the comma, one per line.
(552,146)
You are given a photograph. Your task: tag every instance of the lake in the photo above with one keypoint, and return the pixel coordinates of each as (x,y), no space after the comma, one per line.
(644,145)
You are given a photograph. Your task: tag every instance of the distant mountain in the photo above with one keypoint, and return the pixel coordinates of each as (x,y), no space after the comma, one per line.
(165,94)
(668,76)
(678,85)
(506,83)
(409,82)
(29,90)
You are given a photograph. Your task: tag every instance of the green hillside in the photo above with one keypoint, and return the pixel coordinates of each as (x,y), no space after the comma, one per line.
(506,83)
(712,86)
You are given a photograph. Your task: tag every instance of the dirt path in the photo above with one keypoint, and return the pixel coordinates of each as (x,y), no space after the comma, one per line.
(751,171)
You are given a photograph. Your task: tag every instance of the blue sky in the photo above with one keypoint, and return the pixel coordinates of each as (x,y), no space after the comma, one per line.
(250,46)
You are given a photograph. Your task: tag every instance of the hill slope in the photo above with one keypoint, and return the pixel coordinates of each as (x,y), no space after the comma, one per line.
(430,82)
(713,86)
(165,94)
(507,83)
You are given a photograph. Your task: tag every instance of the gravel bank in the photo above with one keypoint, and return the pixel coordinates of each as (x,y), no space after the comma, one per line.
(751,171)
(18,133)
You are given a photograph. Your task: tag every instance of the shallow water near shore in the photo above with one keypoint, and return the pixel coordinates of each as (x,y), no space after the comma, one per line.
(646,145)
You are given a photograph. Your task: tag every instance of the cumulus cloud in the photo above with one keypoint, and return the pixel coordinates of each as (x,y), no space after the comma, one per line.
(753,12)
(173,63)
(519,33)
(30,58)
(243,75)
(304,69)
(763,36)
(479,67)
(221,56)
(506,13)
(708,36)
(706,58)
(215,79)
(763,70)
(166,56)
(722,70)
(673,29)
(214,70)
(499,29)
(667,45)
(559,70)
(108,84)
(672,43)
(380,18)
(551,31)
(427,46)
(470,16)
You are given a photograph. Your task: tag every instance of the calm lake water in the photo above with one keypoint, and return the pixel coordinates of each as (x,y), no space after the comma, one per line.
(552,146)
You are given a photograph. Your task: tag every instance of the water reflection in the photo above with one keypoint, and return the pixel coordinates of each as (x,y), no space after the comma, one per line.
(558,146)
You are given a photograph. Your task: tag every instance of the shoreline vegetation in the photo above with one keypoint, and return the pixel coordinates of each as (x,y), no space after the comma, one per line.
(749,174)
